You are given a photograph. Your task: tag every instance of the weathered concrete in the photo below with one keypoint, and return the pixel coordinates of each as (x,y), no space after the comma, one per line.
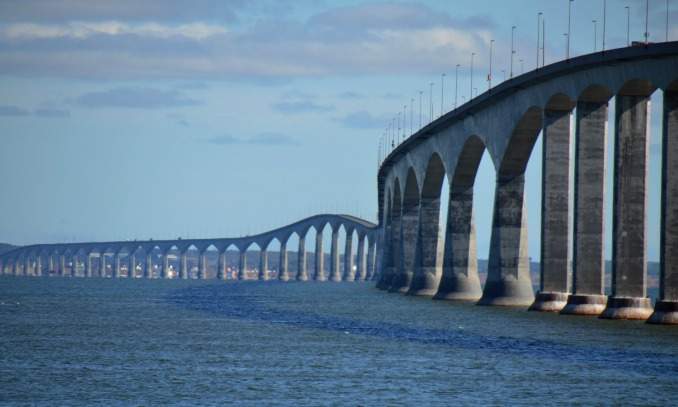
(554,264)
(666,307)
(302,274)
(283,272)
(38,266)
(629,247)
(589,203)
(319,274)
(349,273)
(183,265)
(242,265)
(361,273)
(221,266)
(202,265)
(371,260)
(148,270)
(335,274)
(386,274)
(88,265)
(116,265)
(405,258)
(62,264)
(508,278)
(428,257)
(263,265)
(164,269)
(131,265)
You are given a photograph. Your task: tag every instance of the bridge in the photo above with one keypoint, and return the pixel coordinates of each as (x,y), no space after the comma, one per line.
(39,259)
(407,253)
(506,122)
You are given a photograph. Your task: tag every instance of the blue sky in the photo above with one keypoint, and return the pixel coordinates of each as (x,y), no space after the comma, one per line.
(140,119)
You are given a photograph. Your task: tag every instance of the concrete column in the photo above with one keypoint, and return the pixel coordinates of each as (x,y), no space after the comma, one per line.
(131,265)
(361,275)
(38,266)
(386,274)
(395,261)
(242,266)
(588,263)
(302,275)
(221,267)
(88,265)
(27,266)
(202,265)
(283,273)
(508,277)
(429,250)
(459,280)
(15,266)
(319,274)
(50,264)
(335,274)
(102,265)
(74,265)
(183,265)
(555,233)
(116,265)
(349,274)
(409,228)
(666,307)
(629,233)
(164,270)
(371,260)
(62,265)
(263,265)
(148,270)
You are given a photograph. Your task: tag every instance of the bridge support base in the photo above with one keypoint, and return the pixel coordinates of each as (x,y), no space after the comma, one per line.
(585,304)
(425,282)
(507,293)
(549,302)
(665,312)
(627,308)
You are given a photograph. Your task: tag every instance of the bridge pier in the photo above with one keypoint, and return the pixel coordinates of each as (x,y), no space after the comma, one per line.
(62,265)
(27,266)
(459,280)
(242,265)
(319,274)
(302,275)
(554,264)
(88,265)
(428,267)
(74,265)
(666,307)
(386,272)
(221,265)
(131,265)
(283,272)
(38,266)
(335,274)
(508,276)
(164,270)
(404,260)
(15,266)
(629,247)
(349,274)
(148,270)
(263,265)
(371,259)
(116,265)
(361,274)
(202,265)
(183,264)
(588,293)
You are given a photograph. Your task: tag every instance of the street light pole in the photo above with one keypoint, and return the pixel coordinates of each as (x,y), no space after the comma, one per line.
(538,35)
(489,77)
(412,115)
(569,27)
(442,93)
(667,20)
(430,99)
(604,21)
(543,41)
(595,35)
(647,18)
(628,25)
(513,30)
(473,54)
(456,84)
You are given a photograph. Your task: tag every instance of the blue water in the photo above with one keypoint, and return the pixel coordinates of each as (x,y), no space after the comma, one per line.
(73,341)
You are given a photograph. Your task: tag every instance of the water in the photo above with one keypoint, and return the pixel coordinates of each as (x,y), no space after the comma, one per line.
(119,342)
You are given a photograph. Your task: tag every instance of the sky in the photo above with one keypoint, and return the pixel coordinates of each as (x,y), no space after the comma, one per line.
(159,119)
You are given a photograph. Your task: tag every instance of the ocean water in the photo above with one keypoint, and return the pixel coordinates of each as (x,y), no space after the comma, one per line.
(76,341)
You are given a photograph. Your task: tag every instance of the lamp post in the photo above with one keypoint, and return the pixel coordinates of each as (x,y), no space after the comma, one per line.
(404,122)
(412,116)
(604,21)
(442,93)
(539,14)
(398,133)
(628,25)
(667,20)
(473,54)
(456,84)
(647,18)
(430,99)
(569,27)
(513,30)
(489,76)
(595,34)
(543,41)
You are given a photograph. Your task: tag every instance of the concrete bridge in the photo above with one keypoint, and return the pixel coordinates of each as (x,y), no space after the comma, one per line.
(506,122)
(75,259)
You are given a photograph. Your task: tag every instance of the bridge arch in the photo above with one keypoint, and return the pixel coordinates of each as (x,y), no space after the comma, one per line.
(409,229)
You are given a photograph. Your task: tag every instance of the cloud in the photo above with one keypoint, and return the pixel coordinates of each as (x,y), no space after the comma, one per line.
(301,106)
(363,120)
(382,38)
(271,139)
(8,110)
(51,112)
(135,98)
(350,95)
(178,119)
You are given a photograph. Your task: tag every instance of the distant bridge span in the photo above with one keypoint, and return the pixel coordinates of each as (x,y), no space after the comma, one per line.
(36,260)
(506,122)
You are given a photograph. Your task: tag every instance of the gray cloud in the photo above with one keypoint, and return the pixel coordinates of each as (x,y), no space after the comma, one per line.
(135,98)
(8,110)
(271,139)
(363,120)
(51,112)
(178,119)
(301,106)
